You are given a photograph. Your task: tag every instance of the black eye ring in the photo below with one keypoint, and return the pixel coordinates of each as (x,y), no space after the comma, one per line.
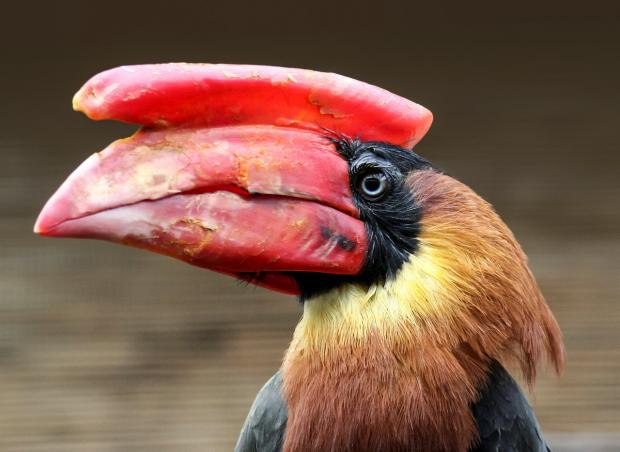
(373,186)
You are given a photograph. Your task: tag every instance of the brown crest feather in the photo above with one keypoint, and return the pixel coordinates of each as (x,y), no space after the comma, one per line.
(366,372)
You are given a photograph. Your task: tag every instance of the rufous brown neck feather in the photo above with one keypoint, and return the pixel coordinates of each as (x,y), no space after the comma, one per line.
(396,366)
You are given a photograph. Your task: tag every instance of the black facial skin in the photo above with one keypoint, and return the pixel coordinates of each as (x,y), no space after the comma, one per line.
(377,174)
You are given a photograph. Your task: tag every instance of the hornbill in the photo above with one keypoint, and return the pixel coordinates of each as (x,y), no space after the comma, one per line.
(415,294)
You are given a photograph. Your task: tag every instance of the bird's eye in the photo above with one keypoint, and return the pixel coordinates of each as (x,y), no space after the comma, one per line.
(373,186)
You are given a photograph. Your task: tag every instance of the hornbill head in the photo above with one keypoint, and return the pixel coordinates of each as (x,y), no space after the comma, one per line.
(305,182)
(249,171)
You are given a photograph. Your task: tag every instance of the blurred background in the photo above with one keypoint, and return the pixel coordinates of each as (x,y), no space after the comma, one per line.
(105,348)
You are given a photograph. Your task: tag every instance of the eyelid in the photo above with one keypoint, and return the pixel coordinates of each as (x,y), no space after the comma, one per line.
(367,167)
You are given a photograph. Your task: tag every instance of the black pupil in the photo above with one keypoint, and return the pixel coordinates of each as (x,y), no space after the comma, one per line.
(372,184)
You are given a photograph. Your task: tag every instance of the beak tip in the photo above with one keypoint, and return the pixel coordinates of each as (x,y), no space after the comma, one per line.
(39,230)
(50,217)
(42,225)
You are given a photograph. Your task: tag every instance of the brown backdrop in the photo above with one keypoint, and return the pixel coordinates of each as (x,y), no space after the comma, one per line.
(104,348)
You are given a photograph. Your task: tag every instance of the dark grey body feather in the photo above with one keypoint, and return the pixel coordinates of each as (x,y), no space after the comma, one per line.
(263,430)
(505,420)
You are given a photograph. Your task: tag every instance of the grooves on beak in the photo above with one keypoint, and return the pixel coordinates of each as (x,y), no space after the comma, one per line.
(240,200)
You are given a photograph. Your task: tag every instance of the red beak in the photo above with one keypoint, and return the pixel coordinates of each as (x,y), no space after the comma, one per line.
(255,201)
(235,199)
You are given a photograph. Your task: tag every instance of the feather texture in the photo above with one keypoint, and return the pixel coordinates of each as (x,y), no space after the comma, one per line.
(504,419)
(264,427)
(396,366)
